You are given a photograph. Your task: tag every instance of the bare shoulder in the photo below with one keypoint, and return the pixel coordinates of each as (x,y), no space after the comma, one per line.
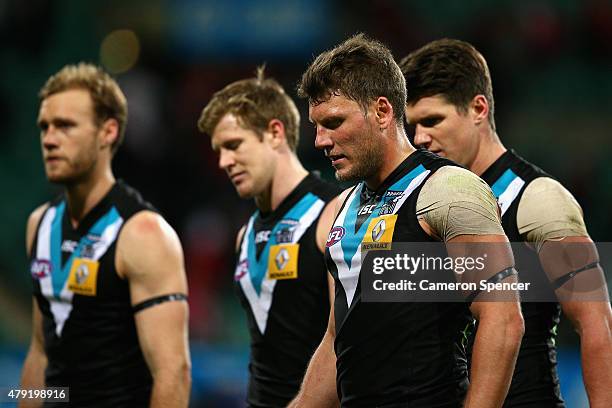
(146,240)
(239,237)
(326,221)
(147,222)
(340,199)
(33,221)
(331,208)
(148,228)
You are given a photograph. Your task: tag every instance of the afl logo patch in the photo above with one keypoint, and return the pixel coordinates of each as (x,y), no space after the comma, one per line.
(241,269)
(335,235)
(40,268)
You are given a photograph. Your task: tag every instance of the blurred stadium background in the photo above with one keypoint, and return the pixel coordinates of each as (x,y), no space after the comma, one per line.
(551,63)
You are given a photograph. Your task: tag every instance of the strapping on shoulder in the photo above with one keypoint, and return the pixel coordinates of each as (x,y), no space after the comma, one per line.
(454,201)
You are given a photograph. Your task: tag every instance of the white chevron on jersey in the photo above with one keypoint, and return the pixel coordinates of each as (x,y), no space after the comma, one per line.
(260,304)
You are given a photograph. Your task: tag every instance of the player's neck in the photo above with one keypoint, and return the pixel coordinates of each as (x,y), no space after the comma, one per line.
(489,150)
(84,195)
(288,174)
(395,152)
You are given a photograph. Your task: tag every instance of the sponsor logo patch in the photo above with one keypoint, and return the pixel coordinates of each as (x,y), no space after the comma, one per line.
(40,268)
(283,261)
(335,235)
(378,230)
(83,277)
(379,234)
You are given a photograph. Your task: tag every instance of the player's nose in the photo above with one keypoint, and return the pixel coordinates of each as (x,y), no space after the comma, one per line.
(226,159)
(422,137)
(49,138)
(322,139)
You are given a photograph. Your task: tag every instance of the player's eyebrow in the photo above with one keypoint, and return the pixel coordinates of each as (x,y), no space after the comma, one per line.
(428,117)
(57,122)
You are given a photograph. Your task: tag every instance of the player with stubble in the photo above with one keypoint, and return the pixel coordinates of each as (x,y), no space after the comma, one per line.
(403,353)
(109,309)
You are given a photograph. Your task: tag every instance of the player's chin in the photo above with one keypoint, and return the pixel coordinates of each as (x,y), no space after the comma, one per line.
(58,177)
(345,174)
(244,190)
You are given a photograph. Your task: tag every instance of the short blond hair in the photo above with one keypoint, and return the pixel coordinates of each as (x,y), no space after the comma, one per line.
(254,102)
(108,100)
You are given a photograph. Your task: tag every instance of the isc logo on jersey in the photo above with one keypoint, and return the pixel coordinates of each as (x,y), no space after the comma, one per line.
(283,261)
(83,277)
(379,234)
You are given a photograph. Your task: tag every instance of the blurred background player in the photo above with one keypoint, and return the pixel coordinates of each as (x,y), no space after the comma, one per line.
(450,103)
(402,353)
(109,312)
(280,274)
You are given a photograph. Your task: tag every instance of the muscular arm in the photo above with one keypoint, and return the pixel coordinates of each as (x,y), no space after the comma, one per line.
(459,208)
(593,322)
(500,326)
(149,255)
(326,221)
(319,385)
(33,372)
(550,218)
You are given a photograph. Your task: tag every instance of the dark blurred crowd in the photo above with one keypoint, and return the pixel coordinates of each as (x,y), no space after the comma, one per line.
(550,62)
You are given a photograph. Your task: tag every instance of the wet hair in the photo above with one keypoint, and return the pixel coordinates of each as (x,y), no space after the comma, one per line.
(361,69)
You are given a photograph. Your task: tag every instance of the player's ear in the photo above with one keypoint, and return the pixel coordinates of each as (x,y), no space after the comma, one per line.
(109,132)
(479,109)
(276,130)
(384,112)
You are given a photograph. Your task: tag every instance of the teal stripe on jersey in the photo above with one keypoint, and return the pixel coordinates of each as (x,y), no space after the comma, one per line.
(353,239)
(259,267)
(58,275)
(95,232)
(503,182)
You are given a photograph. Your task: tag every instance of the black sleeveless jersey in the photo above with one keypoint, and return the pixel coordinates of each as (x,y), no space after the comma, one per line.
(281,281)
(535,382)
(392,354)
(89,332)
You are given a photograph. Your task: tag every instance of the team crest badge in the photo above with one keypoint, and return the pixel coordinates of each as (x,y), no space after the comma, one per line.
(287,227)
